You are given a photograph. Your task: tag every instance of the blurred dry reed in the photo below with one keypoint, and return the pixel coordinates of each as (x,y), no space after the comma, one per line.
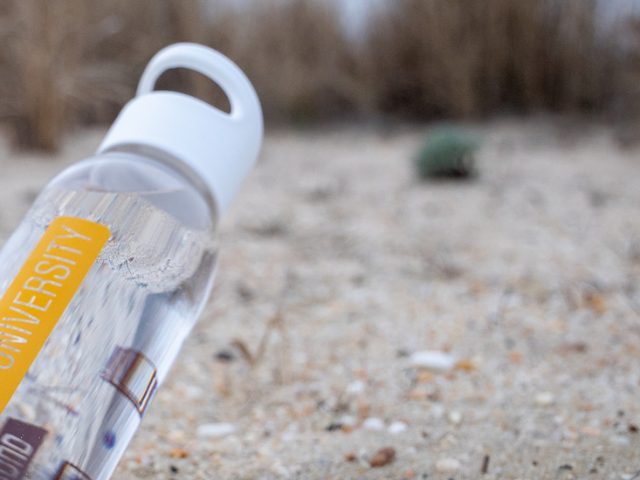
(69,62)
(462,58)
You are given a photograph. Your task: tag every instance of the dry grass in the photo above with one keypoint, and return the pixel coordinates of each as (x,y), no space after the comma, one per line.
(70,61)
(296,53)
(461,58)
(66,62)
(34,81)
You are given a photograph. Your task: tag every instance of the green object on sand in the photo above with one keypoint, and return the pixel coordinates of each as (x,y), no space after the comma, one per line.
(448,153)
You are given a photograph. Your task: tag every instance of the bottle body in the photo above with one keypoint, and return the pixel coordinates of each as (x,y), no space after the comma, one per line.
(113,346)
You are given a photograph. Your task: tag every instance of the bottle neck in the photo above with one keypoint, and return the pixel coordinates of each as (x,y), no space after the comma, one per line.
(146,154)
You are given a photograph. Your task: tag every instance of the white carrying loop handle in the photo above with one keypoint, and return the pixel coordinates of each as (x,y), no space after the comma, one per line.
(245,105)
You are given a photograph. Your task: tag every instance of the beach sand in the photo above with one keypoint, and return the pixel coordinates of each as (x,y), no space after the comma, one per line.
(343,266)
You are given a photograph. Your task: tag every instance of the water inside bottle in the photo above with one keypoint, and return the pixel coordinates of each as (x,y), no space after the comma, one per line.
(132,312)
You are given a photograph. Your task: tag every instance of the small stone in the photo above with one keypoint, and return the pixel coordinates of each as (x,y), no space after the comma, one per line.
(595,302)
(192,392)
(397,427)
(437,411)
(177,437)
(280,470)
(383,457)
(349,420)
(373,423)
(544,399)
(620,440)
(515,357)
(466,365)
(433,360)
(334,427)
(350,457)
(245,292)
(216,430)
(447,465)
(225,356)
(425,376)
(289,435)
(455,417)
(178,453)
(355,387)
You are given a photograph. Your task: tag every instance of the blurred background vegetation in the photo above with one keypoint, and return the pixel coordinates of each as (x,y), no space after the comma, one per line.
(66,63)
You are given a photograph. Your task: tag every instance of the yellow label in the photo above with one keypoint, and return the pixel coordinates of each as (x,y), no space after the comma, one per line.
(41,292)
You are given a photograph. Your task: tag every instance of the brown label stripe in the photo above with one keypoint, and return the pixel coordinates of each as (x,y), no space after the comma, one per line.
(19,443)
(133,375)
(69,471)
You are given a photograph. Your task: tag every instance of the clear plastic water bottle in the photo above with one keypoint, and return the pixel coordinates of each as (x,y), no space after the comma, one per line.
(107,274)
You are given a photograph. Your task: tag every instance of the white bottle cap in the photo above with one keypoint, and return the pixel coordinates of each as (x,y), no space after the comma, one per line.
(221,147)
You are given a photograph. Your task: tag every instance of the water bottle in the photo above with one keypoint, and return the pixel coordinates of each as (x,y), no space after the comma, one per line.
(105,277)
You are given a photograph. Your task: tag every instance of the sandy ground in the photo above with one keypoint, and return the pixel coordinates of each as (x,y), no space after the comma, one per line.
(344,266)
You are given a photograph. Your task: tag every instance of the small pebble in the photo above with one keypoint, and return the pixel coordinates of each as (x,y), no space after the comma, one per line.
(455,417)
(216,430)
(334,427)
(620,440)
(356,387)
(290,434)
(408,474)
(350,457)
(437,410)
(177,437)
(225,356)
(544,399)
(447,465)
(383,457)
(348,421)
(466,364)
(433,360)
(179,453)
(192,392)
(280,470)
(397,427)
(374,424)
